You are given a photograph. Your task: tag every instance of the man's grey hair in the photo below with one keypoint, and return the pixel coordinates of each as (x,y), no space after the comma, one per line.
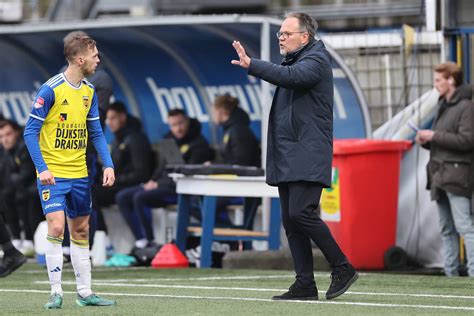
(307,23)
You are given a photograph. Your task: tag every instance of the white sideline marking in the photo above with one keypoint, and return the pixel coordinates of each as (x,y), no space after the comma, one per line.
(252,277)
(94,269)
(197,287)
(283,276)
(466,308)
(411,294)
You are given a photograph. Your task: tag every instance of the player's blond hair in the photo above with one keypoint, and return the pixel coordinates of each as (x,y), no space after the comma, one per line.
(76,44)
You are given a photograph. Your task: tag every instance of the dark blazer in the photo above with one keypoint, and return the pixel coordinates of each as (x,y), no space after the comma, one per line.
(451,149)
(300,129)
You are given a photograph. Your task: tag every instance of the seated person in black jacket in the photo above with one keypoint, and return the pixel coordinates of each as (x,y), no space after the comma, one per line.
(18,187)
(239,146)
(131,154)
(159,191)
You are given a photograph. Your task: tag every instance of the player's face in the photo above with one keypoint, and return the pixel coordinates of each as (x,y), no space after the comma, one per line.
(179,126)
(115,121)
(91,60)
(292,38)
(8,137)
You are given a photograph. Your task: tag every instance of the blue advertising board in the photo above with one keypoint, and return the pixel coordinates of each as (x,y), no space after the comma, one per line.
(156,67)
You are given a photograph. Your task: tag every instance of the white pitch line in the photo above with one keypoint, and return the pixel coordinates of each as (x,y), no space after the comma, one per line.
(242,277)
(167,286)
(464,308)
(412,295)
(105,269)
(251,277)
(197,287)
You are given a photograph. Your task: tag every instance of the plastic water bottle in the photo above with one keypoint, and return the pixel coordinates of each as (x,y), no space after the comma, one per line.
(169,234)
(40,242)
(99,251)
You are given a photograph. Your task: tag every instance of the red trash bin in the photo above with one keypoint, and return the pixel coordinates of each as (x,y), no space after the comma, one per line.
(361,206)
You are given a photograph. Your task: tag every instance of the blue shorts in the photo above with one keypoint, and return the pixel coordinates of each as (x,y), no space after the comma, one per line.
(71,195)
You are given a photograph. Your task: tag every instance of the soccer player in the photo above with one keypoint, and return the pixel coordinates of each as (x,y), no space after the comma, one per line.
(64,112)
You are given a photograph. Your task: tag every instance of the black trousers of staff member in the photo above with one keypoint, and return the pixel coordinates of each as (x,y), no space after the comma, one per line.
(299,204)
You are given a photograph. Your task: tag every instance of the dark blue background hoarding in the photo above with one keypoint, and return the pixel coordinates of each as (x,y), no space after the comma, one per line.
(156,67)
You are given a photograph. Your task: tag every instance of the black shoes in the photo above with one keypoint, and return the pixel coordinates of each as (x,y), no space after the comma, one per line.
(298,293)
(341,279)
(11,263)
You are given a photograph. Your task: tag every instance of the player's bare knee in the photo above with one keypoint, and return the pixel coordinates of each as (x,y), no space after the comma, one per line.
(55,229)
(81,233)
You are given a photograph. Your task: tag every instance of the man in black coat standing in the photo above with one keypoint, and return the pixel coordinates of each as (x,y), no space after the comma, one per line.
(299,150)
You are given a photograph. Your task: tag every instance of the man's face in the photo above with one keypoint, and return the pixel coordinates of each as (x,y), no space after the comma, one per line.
(115,120)
(8,137)
(441,84)
(217,115)
(179,126)
(90,60)
(292,37)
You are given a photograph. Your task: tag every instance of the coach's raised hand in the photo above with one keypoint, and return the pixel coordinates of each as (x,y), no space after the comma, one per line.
(244,60)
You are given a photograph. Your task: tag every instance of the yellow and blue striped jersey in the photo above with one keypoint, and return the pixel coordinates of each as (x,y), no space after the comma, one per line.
(65,110)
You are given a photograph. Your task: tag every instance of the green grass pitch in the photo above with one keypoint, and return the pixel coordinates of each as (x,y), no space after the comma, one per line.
(145,291)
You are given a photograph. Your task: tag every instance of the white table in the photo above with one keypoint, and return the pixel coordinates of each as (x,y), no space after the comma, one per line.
(211,187)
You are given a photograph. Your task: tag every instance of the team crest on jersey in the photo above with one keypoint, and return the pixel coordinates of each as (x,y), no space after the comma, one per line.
(45,194)
(39,102)
(62,117)
(85,101)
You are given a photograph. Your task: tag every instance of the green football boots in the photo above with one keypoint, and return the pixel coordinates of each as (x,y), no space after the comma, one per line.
(94,300)
(55,301)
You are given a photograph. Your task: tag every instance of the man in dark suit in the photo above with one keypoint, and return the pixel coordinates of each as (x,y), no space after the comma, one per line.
(299,150)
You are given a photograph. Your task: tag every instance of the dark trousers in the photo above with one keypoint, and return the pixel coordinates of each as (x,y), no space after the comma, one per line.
(4,235)
(135,203)
(103,197)
(299,204)
(23,214)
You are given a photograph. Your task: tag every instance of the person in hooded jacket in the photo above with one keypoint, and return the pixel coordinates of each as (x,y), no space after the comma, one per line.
(131,154)
(135,202)
(449,170)
(239,145)
(12,257)
(299,149)
(18,188)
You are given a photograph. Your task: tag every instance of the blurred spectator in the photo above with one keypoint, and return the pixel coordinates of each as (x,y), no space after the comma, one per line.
(135,202)
(131,154)
(18,187)
(451,146)
(239,145)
